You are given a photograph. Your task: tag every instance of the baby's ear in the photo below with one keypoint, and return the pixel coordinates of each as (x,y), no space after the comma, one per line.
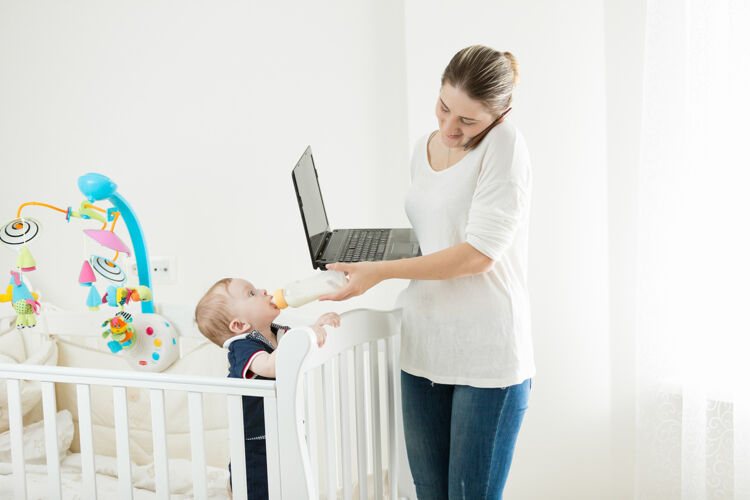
(237,326)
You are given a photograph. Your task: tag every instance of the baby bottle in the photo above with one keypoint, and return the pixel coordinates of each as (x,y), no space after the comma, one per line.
(303,291)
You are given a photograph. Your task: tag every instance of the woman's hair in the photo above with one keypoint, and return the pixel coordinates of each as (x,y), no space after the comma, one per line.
(213,314)
(486,75)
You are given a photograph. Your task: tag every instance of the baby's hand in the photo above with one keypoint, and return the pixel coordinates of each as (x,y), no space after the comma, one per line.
(331,319)
(320,334)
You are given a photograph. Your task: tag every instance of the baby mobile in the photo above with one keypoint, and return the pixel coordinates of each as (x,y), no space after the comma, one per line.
(153,351)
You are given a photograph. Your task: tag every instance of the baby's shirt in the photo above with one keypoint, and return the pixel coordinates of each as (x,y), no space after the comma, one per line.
(242,350)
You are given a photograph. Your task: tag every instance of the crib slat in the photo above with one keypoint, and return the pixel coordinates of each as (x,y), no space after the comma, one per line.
(237,446)
(122,442)
(359,412)
(329,420)
(88,467)
(49,407)
(391,374)
(312,422)
(345,419)
(15,421)
(159,436)
(377,459)
(197,445)
(272,448)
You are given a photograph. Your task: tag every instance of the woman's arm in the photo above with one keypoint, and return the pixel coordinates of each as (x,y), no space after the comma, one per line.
(453,262)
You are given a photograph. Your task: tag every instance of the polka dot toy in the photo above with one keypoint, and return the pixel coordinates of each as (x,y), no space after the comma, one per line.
(155,350)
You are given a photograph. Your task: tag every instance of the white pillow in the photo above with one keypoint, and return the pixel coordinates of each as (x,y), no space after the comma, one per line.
(12,351)
(33,440)
(205,360)
(11,345)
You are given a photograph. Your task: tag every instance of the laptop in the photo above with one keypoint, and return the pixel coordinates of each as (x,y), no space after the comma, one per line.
(343,245)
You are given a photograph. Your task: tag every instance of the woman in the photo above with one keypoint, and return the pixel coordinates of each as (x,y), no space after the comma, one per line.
(466,353)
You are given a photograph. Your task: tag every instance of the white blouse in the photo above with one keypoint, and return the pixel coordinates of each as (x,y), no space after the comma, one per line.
(474,330)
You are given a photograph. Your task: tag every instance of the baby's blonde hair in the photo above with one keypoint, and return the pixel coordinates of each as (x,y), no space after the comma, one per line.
(213,314)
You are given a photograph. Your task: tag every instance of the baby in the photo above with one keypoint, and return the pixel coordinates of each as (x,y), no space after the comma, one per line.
(236,315)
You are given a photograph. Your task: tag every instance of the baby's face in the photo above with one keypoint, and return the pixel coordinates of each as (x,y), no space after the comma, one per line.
(251,305)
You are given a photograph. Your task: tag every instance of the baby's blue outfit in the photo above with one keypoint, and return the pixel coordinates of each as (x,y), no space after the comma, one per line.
(242,349)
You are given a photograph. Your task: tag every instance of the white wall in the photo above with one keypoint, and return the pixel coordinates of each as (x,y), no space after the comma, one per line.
(199,110)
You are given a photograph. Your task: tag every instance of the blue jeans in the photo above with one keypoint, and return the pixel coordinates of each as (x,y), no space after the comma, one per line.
(460,439)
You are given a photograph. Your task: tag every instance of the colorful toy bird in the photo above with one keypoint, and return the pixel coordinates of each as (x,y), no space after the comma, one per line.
(24,301)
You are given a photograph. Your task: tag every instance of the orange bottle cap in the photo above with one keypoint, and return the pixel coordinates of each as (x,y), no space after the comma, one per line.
(278,299)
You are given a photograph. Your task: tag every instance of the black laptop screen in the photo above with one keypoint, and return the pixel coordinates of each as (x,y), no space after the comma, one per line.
(311,202)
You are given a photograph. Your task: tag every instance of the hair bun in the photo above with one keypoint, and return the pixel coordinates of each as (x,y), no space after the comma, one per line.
(514,66)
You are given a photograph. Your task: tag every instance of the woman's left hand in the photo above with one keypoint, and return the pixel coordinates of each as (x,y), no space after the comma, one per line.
(362,277)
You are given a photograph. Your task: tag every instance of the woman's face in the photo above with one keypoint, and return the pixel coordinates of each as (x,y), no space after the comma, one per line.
(459,117)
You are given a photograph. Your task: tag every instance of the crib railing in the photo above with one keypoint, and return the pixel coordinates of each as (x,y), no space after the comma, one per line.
(353,377)
(356,372)
(156,384)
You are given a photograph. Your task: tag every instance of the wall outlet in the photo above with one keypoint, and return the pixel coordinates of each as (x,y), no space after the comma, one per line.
(163,269)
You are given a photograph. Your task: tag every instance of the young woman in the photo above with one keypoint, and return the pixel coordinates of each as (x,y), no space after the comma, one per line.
(466,351)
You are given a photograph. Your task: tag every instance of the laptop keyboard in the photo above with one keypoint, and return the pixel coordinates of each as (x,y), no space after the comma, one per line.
(365,244)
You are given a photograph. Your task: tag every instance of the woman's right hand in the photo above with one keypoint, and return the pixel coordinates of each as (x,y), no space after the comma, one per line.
(362,276)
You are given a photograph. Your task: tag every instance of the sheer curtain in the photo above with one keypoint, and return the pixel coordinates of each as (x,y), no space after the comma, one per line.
(693,271)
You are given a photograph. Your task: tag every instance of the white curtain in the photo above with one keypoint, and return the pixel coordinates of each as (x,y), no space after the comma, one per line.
(693,272)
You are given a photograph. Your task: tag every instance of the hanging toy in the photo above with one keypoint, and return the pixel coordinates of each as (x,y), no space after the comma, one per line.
(108,270)
(110,296)
(108,239)
(24,301)
(141,294)
(19,231)
(123,335)
(86,276)
(25,262)
(122,296)
(146,340)
(120,327)
(93,300)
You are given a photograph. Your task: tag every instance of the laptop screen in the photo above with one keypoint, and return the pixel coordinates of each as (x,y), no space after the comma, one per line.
(310,202)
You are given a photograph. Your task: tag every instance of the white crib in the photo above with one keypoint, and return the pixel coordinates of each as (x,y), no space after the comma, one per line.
(330,408)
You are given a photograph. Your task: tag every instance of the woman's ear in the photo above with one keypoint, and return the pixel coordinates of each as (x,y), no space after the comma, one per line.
(237,326)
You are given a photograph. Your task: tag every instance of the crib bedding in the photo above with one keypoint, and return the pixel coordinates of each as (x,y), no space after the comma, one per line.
(18,347)
(106,480)
(42,351)
(201,358)
(180,477)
